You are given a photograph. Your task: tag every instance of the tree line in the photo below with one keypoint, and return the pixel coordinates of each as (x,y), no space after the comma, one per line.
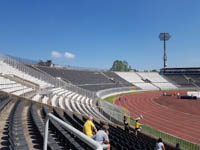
(119,65)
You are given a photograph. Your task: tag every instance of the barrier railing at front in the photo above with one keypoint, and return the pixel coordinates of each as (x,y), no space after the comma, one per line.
(113,91)
(92,143)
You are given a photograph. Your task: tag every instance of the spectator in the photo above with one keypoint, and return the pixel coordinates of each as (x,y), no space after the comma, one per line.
(160,145)
(102,137)
(89,127)
(177,147)
(126,125)
(137,127)
(119,98)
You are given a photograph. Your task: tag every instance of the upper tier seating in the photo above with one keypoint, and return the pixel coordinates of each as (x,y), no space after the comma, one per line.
(146,86)
(147,80)
(116,78)
(152,76)
(195,79)
(131,77)
(165,86)
(157,80)
(136,80)
(90,80)
(77,77)
(180,80)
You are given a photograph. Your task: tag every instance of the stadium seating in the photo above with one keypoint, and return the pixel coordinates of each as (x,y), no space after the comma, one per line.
(77,77)
(56,97)
(114,77)
(4,100)
(7,69)
(146,86)
(15,130)
(131,77)
(90,80)
(195,79)
(68,100)
(157,80)
(180,80)
(147,80)
(13,87)
(152,76)
(59,138)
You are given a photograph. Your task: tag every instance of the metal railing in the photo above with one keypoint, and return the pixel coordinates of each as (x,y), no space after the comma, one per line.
(92,143)
(112,112)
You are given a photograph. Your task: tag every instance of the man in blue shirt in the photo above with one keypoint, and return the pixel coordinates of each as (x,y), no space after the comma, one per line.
(102,137)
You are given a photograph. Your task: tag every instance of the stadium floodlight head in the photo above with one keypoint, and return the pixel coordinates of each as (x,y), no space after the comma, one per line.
(164,37)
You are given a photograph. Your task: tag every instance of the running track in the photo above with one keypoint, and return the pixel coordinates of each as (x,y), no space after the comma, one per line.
(182,124)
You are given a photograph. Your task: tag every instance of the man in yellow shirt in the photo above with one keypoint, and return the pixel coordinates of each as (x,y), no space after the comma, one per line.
(89,127)
(137,127)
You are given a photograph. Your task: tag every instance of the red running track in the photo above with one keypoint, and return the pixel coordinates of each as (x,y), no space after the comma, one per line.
(166,113)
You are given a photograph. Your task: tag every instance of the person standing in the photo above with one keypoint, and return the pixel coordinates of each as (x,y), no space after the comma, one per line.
(126,125)
(137,127)
(89,127)
(160,145)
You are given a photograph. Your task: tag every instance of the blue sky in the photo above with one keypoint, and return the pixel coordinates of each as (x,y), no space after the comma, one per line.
(94,33)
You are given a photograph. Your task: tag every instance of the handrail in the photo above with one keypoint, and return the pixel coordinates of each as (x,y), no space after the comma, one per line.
(95,145)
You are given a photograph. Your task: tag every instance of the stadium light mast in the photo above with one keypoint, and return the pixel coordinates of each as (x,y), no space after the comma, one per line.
(164,37)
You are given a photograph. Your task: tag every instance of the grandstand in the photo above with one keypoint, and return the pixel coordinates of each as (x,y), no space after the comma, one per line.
(147,80)
(87,79)
(184,77)
(29,92)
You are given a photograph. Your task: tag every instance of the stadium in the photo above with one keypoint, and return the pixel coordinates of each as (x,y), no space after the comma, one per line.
(168,101)
(99,75)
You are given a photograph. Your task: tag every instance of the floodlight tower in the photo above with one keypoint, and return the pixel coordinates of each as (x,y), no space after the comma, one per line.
(164,37)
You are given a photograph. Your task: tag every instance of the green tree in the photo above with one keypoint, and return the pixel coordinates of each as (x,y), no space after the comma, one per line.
(154,70)
(119,65)
(43,63)
(48,63)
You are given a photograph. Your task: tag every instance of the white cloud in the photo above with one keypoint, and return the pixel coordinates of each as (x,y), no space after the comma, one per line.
(56,54)
(69,55)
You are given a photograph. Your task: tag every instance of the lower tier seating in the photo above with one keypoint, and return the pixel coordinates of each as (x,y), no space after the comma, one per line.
(25,122)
